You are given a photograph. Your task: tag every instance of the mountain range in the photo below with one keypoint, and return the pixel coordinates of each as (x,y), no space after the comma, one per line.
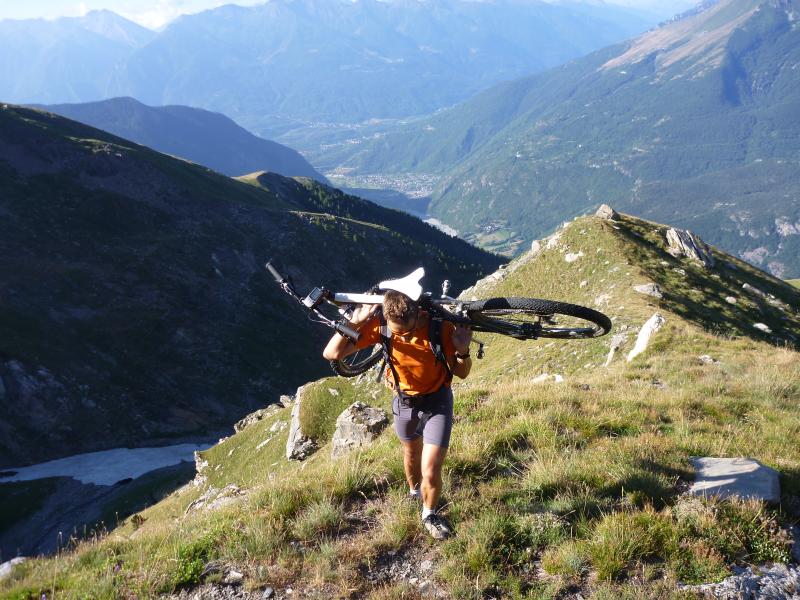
(694,123)
(135,308)
(207,138)
(289,63)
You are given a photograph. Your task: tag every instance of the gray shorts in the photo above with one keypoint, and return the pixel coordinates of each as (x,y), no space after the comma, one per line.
(429,416)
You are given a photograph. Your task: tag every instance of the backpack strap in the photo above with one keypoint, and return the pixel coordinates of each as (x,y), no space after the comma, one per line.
(386,344)
(435,343)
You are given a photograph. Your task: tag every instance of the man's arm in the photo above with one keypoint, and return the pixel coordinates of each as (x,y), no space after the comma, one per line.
(339,346)
(462,336)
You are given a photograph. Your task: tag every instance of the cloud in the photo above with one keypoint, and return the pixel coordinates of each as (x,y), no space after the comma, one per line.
(157,14)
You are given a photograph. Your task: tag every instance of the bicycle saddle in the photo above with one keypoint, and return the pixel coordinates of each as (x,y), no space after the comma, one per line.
(408,285)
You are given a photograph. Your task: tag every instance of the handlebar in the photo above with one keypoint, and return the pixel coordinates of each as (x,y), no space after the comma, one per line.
(311,302)
(347,332)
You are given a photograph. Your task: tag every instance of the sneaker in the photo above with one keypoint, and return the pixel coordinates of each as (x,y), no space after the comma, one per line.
(437,526)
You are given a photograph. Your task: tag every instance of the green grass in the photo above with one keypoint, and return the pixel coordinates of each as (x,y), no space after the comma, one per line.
(325,400)
(582,477)
(794,282)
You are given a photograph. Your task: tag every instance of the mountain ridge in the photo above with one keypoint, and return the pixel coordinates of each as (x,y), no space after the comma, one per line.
(207,138)
(287,65)
(135,303)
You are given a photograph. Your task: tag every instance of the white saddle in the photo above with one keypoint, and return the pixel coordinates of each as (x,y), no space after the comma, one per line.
(408,285)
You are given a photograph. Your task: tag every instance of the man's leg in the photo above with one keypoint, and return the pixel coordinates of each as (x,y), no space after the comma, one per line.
(432,461)
(412,462)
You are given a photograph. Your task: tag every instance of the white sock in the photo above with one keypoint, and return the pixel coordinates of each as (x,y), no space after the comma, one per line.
(414,493)
(426,512)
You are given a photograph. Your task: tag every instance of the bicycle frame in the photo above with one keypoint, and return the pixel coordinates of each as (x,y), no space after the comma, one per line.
(345,302)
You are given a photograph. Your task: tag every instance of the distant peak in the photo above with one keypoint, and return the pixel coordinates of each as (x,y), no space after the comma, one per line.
(698,35)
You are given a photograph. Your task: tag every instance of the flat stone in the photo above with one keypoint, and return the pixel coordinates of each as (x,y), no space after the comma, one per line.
(649,289)
(742,477)
(763,327)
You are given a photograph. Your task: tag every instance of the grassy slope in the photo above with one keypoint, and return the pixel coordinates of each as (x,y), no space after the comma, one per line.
(552,488)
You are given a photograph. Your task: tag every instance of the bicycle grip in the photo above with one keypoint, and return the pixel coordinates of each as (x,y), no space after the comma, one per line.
(347,332)
(278,277)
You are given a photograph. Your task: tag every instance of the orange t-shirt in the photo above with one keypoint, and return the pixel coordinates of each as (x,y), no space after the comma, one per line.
(418,371)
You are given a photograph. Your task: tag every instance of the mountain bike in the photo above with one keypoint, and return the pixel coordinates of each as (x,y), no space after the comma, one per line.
(519,318)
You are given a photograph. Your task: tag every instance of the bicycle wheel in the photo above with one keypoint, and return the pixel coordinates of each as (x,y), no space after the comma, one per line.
(357,363)
(531,318)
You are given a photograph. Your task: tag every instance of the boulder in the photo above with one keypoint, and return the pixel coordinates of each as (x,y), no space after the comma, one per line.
(571,257)
(200,465)
(298,446)
(652,325)
(357,427)
(649,289)
(257,416)
(606,212)
(762,327)
(7,567)
(754,290)
(616,343)
(766,582)
(685,243)
(744,478)
(214,498)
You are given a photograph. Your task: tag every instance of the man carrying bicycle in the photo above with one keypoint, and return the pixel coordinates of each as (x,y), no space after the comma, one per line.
(423,399)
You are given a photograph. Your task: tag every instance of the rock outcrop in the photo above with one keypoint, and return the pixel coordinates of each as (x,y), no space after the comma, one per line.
(617,342)
(258,415)
(606,212)
(357,427)
(298,446)
(652,325)
(685,243)
(767,582)
(214,498)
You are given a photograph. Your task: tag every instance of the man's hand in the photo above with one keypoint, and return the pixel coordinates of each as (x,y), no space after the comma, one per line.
(462,336)
(363,313)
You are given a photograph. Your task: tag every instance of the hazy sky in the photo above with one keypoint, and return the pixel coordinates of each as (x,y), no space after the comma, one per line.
(155,13)
(150,13)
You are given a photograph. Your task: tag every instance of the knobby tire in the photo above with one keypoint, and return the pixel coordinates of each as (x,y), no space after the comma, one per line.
(498,314)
